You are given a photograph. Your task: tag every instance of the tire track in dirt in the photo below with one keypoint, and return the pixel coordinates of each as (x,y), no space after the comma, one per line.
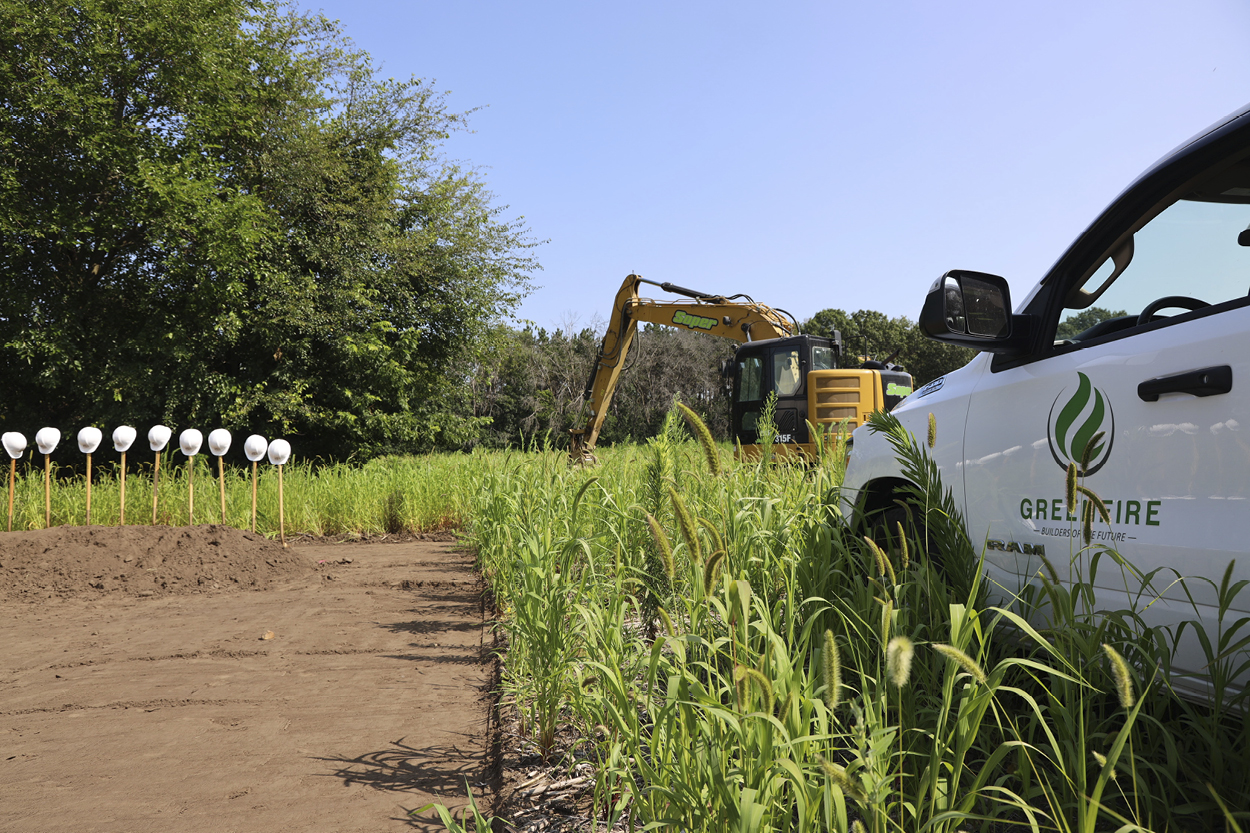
(146,705)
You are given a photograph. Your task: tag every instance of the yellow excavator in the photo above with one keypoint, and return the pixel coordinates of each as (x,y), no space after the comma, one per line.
(773,358)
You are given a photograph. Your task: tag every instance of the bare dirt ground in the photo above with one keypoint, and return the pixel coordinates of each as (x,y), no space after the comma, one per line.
(192,679)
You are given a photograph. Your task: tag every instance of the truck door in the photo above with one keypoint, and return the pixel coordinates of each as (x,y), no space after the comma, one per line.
(1165,380)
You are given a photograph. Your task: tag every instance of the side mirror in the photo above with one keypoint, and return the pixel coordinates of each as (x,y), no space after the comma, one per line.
(973,309)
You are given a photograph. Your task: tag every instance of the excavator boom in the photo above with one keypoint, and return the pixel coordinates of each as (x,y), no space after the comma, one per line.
(736,317)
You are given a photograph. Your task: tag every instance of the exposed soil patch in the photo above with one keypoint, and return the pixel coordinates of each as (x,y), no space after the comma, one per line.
(347,687)
(73,561)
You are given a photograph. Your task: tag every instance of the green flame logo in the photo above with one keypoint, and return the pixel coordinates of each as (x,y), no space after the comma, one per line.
(1081,417)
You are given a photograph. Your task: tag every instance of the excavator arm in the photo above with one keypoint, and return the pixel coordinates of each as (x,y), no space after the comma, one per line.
(736,317)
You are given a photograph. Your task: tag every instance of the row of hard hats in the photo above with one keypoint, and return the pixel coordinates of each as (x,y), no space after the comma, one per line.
(189,441)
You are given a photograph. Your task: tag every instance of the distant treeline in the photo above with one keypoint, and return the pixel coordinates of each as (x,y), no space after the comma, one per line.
(529,387)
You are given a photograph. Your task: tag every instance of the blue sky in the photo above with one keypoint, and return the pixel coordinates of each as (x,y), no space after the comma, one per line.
(811,155)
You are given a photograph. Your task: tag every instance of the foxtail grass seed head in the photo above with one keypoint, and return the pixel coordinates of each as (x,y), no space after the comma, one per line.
(718,543)
(839,776)
(667,621)
(902,542)
(711,571)
(898,657)
(662,544)
(831,670)
(1050,568)
(932,430)
(1088,453)
(887,618)
(1099,506)
(686,524)
(703,435)
(966,662)
(857,826)
(1123,679)
(743,688)
(765,687)
(1087,521)
(1070,492)
(884,566)
(1102,762)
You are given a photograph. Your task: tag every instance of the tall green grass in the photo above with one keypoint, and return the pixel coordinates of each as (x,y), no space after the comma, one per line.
(734,656)
(387,495)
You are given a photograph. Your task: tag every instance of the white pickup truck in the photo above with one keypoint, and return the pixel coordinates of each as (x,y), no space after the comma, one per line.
(1168,385)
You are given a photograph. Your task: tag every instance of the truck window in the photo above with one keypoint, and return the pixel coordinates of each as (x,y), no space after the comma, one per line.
(1192,249)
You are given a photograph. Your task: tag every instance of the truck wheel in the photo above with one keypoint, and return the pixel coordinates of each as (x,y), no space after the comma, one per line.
(885,507)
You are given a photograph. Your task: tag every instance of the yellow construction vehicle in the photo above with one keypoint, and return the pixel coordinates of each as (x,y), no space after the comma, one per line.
(774,358)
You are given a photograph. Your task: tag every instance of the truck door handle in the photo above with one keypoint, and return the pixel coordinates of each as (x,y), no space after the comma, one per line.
(1209,381)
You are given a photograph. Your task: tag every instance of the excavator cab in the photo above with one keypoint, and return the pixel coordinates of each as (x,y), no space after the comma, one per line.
(780,366)
(803,372)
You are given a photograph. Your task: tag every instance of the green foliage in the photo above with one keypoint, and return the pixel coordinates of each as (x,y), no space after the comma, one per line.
(766,428)
(481,823)
(218,214)
(531,383)
(872,334)
(771,698)
(1079,322)
(385,495)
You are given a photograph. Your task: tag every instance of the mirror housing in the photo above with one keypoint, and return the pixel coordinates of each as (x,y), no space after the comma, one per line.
(973,309)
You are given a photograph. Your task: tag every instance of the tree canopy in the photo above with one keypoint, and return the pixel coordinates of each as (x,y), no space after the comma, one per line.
(872,334)
(529,384)
(217,214)
(1079,322)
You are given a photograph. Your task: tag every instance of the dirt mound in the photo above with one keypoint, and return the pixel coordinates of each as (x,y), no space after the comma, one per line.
(68,561)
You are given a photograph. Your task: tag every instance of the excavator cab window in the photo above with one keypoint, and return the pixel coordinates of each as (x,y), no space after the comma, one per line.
(787,378)
(823,358)
(751,379)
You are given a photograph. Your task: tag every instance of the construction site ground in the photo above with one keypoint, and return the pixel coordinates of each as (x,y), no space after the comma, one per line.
(204,678)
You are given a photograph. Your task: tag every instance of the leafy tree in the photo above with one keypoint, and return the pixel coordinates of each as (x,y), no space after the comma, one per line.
(1083,320)
(871,334)
(668,364)
(865,333)
(215,213)
(927,359)
(531,384)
